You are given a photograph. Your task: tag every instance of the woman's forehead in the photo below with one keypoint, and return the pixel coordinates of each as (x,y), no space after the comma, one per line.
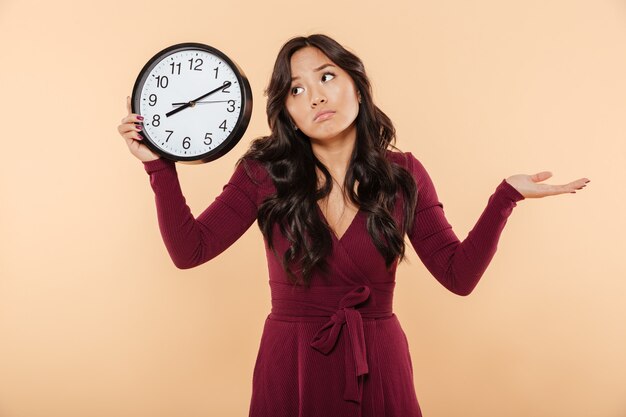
(308,59)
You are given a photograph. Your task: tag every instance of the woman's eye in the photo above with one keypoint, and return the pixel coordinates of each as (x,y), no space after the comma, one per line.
(329,74)
(294,90)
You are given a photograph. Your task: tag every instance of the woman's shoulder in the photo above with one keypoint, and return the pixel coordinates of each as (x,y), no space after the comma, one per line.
(404,159)
(254,166)
(253,173)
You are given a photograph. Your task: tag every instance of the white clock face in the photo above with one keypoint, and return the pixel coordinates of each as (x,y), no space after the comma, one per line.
(180,78)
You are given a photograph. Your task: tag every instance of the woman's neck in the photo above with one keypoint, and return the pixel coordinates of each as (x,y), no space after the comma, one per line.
(335,153)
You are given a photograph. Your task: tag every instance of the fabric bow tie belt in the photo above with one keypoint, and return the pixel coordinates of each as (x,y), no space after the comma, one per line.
(356,354)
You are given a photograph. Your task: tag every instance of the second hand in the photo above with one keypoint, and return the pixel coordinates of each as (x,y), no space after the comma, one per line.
(193,102)
(202,102)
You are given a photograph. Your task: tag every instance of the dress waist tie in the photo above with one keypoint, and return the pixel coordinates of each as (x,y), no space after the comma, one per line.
(356,355)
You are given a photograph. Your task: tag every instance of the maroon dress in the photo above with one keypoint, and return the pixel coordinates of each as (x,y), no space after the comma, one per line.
(337,349)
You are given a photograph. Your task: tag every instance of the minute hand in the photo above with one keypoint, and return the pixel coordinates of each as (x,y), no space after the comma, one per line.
(193,102)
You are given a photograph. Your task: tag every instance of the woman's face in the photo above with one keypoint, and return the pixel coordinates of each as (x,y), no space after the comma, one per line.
(319,85)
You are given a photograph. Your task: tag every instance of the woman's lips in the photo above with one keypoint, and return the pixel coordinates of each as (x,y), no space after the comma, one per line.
(325,115)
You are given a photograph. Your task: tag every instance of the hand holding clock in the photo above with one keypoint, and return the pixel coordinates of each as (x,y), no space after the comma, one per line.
(129,130)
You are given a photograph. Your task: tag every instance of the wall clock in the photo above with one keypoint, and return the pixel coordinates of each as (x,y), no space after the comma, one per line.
(195,100)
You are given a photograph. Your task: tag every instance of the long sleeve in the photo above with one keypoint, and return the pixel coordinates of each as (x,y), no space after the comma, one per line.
(193,241)
(458,266)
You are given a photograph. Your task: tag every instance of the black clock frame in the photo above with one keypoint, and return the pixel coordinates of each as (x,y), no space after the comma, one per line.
(244,115)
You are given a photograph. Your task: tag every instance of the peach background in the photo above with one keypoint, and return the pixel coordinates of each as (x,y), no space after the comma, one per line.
(95,320)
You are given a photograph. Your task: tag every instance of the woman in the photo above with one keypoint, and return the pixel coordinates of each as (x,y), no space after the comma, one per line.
(333,204)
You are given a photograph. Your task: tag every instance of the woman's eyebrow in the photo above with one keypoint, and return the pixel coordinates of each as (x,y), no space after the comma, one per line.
(315,70)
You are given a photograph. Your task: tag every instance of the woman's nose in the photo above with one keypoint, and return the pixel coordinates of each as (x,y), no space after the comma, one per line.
(318,99)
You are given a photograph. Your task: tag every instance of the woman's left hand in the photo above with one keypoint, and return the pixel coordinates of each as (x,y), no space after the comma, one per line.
(529,187)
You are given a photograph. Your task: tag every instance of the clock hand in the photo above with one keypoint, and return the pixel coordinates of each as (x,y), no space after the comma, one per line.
(203,102)
(193,102)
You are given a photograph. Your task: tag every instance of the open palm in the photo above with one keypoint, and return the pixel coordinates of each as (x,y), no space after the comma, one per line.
(529,185)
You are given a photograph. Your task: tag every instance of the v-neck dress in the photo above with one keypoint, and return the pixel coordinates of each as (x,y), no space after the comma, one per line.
(336,349)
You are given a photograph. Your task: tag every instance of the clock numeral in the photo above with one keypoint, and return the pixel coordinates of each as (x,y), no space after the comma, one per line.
(223,126)
(170,134)
(187,142)
(215,69)
(209,138)
(225,89)
(156,120)
(162,81)
(177,65)
(152,99)
(231,106)
(198,65)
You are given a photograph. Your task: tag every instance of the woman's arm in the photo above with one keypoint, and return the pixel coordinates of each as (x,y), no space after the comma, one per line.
(193,241)
(458,266)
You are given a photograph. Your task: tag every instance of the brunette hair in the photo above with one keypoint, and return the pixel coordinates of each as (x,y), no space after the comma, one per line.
(288,157)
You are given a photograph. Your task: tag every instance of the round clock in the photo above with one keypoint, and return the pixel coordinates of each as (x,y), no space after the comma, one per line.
(196,103)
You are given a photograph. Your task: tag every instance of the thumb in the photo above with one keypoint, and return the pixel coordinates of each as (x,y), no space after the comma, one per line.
(128,104)
(541,176)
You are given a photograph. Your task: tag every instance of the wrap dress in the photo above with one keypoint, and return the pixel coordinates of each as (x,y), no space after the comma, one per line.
(336,349)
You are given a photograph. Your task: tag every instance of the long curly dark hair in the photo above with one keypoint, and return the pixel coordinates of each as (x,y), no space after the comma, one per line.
(288,157)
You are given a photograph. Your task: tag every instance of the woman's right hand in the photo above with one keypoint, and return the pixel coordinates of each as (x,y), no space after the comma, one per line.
(128,129)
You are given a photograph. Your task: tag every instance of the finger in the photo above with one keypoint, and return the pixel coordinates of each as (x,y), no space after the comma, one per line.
(132,118)
(130,136)
(130,128)
(578,183)
(572,187)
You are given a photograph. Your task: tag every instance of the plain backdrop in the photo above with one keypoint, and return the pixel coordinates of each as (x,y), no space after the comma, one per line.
(95,320)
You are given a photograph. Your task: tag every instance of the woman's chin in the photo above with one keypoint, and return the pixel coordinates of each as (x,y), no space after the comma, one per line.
(330,132)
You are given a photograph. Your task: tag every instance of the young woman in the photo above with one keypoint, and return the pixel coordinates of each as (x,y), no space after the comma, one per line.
(334,204)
